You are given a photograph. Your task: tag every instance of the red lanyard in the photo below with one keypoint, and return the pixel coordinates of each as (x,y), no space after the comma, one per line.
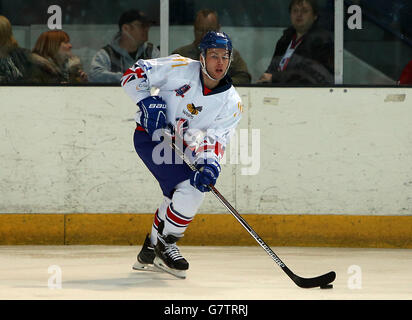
(289,52)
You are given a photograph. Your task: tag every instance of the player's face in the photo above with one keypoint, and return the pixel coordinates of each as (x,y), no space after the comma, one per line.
(217,61)
(302,17)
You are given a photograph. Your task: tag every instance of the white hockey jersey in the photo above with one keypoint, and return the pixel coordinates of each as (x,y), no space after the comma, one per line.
(180,84)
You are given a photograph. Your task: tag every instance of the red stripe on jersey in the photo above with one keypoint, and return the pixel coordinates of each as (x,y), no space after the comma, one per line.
(128,71)
(173,216)
(205,147)
(219,149)
(139,128)
(156,218)
(140,73)
(126,80)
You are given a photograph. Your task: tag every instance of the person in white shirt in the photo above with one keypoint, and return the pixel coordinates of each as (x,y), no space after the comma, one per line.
(194,99)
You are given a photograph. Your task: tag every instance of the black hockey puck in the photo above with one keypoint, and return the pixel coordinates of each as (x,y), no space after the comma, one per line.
(327,286)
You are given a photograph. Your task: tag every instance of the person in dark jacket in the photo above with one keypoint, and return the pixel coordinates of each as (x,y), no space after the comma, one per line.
(54,60)
(15,63)
(305,52)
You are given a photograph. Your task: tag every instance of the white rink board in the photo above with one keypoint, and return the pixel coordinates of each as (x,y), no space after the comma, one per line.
(70,150)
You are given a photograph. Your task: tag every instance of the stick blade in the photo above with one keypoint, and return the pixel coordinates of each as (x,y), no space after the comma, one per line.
(320,281)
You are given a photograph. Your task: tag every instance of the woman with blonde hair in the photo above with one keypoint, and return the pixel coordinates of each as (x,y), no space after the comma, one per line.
(52,54)
(15,62)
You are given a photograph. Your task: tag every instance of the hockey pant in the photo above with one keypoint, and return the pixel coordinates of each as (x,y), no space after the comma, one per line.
(181,200)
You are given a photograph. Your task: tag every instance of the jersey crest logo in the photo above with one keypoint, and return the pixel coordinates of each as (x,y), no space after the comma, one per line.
(193,109)
(182,90)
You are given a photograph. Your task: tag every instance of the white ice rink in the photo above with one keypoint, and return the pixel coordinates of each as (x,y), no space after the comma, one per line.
(217,273)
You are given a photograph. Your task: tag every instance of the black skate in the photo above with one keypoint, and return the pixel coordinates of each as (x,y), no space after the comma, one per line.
(168,257)
(145,257)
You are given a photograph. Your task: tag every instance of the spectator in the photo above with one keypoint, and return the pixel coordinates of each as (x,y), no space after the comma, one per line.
(207,20)
(406,76)
(305,52)
(55,61)
(15,62)
(129,45)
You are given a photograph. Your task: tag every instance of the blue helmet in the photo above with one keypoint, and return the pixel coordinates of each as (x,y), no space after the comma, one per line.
(214,39)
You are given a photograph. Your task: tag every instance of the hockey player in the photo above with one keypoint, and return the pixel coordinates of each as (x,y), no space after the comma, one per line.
(191,95)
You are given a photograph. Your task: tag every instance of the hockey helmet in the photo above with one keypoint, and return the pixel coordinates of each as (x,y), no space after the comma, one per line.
(214,39)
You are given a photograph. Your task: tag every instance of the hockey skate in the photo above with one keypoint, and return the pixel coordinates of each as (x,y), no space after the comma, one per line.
(168,257)
(145,257)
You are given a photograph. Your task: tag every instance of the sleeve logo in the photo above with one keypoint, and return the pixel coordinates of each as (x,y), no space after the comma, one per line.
(182,90)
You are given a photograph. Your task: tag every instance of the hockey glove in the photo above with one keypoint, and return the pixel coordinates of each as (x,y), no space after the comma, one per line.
(206,175)
(153,114)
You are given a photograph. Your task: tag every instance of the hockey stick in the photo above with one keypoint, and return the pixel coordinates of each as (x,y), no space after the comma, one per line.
(320,281)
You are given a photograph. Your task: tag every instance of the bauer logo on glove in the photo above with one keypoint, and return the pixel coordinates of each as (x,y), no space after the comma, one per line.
(157,106)
(153,114)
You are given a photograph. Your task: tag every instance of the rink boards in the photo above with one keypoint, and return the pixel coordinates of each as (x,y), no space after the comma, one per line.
(308,166)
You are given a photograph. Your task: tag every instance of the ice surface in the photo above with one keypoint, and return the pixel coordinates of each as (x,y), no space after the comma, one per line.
(104,272)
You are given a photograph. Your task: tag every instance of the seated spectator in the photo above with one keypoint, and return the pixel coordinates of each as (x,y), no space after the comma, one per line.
(15,62)
(207,20)
(406,76)
(55,61)
(129,45)
(305,52)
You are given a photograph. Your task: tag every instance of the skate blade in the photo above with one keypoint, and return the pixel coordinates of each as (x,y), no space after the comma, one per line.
(181,274)
(145,267)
